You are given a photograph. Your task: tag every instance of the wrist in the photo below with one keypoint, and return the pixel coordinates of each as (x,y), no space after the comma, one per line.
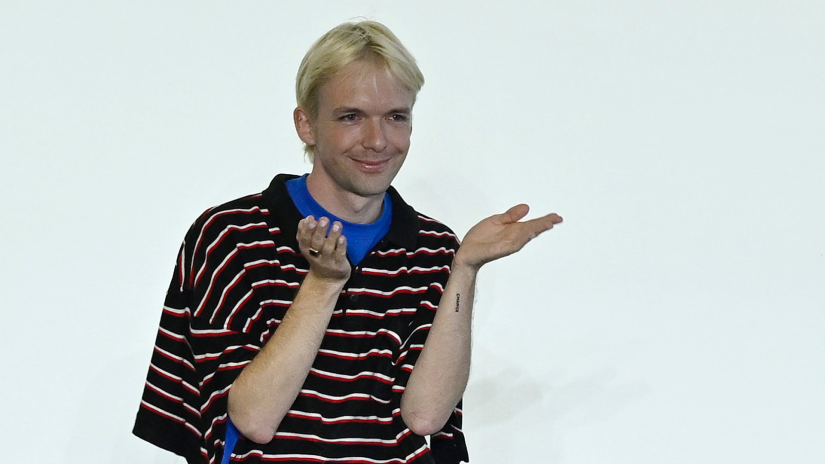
(462,267)
(461,263)
(324,282)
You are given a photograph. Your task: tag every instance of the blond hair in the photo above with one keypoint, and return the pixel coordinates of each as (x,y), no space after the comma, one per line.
(368,41)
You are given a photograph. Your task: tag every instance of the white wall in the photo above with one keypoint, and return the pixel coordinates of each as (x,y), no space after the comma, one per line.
(676,316)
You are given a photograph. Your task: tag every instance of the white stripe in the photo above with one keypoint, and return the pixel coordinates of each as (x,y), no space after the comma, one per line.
(351,396)
(312,457)
(404,270)
(372,441)
(172,334)
(391,312)
(212,279)
(365,332)
(273,262)
(352,377)
(390,293)
(162,411)
(257,242)
(232,364)
(163,392)
(225,290)
(215,394)
(332,420)
(420,327)
(342,354)
(209,331)
(429,305)
(392,251)
(440,250)
(228,349)
(192,410)
(433,233)
(275,281)
(168,354)
(237,307)
(281,249)
(227,230)
(280,302)
(175,310)
(249,321)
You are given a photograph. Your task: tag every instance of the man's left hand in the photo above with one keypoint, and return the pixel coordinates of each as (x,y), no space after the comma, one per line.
(501,235)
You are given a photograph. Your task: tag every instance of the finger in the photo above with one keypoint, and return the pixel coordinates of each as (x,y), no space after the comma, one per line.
(549,220)
(304,232)
(319,234)
(539,225)
(341,247)
(332,239)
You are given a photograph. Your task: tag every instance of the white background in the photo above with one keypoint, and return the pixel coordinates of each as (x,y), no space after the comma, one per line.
(677,316)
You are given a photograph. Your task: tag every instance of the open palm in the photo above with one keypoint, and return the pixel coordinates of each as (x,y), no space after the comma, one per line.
(502,235)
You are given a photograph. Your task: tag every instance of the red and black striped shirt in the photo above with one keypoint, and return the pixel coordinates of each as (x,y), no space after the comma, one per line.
(237,273)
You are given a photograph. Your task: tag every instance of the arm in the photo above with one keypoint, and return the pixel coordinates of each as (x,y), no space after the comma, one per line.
(440,375)
(266,388)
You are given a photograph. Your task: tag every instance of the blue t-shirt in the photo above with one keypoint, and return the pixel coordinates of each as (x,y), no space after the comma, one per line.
(360,240)
(360,237)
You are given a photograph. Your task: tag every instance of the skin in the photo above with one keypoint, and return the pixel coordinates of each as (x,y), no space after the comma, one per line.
(361,136)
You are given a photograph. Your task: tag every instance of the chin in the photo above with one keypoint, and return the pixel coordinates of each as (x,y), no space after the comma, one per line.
(370,189)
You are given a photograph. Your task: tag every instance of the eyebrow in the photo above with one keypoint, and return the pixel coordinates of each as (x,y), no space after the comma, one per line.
(347,109)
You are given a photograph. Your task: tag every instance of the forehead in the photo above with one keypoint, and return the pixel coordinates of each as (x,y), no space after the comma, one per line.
(364,85)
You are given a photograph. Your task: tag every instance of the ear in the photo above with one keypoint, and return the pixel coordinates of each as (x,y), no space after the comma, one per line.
(303,126)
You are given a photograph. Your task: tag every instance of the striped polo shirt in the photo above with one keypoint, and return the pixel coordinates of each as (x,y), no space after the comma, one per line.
(236,275)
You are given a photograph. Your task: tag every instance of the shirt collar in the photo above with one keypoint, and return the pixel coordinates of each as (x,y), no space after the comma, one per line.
(403,229)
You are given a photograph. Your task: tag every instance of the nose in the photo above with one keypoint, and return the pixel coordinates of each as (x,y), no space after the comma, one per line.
(375,137)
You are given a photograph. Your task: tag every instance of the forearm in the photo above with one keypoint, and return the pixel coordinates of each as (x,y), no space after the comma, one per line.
(440,375)
(266,388)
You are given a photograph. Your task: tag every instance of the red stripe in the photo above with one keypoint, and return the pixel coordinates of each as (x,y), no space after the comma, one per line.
(240,305)
(235,281)
(173,359)
(161,412)
(221,237)
(215,275)
(160,392)
(316,440)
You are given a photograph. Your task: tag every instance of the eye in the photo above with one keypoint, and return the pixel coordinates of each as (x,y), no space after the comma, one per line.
(349,117)
(398,117)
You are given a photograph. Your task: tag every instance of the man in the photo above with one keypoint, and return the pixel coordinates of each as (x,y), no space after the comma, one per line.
(325,319)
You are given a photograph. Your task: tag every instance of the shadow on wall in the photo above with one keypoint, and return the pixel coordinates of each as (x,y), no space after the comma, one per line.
(516,413)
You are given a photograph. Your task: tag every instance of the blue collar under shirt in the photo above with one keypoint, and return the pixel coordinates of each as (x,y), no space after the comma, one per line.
(360,237)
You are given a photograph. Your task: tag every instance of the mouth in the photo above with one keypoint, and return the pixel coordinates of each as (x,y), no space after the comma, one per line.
(371,165)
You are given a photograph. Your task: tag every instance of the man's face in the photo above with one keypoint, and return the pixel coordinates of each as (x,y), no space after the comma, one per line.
(361,133)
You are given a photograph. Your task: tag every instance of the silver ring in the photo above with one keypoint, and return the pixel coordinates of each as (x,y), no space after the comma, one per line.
(313,252)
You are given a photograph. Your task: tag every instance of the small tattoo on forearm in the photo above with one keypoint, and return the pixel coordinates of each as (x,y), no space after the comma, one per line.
(457,301)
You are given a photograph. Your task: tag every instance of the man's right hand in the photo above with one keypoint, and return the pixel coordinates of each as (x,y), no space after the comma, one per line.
(327,254)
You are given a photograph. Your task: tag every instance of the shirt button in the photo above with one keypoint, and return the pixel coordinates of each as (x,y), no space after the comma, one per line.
(353,298)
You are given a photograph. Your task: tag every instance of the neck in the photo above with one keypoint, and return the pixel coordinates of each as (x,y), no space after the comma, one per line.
(346,205)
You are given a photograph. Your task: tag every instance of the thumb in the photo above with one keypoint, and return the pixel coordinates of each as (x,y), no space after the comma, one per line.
(515,214)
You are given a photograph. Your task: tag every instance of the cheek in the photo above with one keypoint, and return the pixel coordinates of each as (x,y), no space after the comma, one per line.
(401,137)
(338,138)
